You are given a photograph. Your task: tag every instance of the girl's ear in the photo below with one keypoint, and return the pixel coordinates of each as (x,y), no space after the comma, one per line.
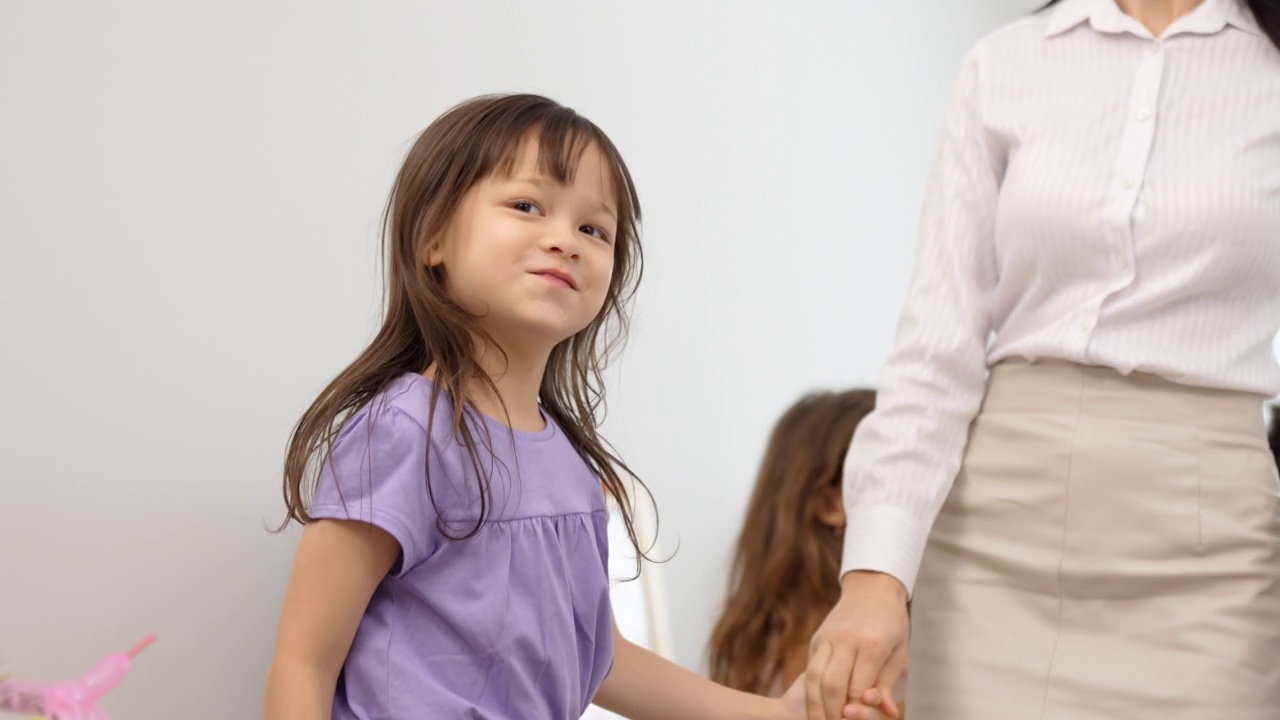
(433,252)
(830,507)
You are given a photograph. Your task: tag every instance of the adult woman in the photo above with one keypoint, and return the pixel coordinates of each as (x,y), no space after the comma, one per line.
(1071,418)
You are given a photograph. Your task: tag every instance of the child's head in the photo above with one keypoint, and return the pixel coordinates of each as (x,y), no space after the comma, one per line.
(511,237)
(513,222)
(786,566)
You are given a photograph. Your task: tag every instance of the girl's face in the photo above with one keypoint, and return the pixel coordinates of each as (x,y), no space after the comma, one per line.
(530,257)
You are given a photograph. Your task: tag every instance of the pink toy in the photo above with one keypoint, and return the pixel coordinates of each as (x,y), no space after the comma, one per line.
(76,700)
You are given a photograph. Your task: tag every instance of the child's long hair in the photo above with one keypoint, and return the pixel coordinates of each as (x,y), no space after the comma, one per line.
(424,328)
(785,575)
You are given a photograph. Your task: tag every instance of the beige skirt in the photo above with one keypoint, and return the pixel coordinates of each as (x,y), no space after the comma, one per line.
(1111,549)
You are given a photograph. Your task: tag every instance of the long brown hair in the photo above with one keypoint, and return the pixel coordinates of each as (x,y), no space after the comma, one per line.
(786,567)
(422,327)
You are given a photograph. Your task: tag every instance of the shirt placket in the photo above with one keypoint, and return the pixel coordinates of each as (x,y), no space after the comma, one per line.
(1128,178)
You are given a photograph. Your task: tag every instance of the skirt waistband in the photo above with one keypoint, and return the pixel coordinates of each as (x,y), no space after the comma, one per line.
(1056,387)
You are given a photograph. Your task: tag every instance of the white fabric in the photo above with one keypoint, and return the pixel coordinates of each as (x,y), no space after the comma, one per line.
(1101,197)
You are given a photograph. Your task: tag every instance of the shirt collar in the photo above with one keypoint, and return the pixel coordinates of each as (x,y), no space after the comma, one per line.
(1239,15)
(1105,16)
(1102,15)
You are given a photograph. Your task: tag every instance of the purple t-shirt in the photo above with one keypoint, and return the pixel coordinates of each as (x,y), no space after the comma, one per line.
(514,622)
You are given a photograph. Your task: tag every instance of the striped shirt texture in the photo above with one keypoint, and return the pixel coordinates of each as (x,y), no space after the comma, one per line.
(1100,196)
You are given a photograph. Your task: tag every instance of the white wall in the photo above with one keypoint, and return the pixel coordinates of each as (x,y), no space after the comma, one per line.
(188,203)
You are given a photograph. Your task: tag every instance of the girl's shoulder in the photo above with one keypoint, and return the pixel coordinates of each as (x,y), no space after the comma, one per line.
(386,439)
(403,407)
(376,471)
(408,395)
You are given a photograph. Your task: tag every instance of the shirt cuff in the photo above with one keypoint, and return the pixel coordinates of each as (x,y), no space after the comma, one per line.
(885,539)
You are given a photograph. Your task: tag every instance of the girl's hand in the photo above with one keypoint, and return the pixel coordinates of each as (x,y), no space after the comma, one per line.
(793,705)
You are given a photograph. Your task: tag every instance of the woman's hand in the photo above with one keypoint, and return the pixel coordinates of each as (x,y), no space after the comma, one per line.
(860,651)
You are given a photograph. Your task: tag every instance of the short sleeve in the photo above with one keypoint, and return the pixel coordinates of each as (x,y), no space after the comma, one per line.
(377,473)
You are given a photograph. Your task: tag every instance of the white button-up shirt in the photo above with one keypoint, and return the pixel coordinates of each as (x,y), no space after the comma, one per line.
(1100,196)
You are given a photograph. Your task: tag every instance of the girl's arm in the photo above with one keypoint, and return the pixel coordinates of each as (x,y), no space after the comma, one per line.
(643,686)
(338,565)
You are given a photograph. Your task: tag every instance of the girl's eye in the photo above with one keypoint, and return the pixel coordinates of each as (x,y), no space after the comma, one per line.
(526,206)
(594,231)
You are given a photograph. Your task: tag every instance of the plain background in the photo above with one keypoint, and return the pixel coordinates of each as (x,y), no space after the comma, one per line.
(189,198)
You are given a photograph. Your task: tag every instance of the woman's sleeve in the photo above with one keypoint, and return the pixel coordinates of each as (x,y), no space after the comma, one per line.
(905,455)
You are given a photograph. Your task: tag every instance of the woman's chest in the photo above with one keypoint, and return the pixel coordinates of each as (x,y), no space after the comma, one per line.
(1176,168)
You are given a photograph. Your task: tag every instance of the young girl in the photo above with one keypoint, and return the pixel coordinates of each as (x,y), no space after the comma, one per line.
(786,568)
(453,563)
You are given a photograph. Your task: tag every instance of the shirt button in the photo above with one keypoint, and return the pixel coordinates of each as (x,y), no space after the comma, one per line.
(1126,183)
(1084,326)
(1144,115)
(1154,47)
(1122,261)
